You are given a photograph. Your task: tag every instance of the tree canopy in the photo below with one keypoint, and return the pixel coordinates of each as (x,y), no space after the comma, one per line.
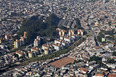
(114,53)
(35,26)
(96,58)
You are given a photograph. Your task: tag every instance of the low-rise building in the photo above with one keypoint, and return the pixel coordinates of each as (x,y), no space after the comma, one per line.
(19,53)
(30,54)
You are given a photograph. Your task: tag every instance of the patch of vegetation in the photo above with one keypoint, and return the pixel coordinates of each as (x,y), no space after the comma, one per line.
(78,24)
(111,36)
(100,36)
(35,26)
(75,61)
(110,60)
(96,58)
(10,47)
(114,53)
(109,32)
(20,48)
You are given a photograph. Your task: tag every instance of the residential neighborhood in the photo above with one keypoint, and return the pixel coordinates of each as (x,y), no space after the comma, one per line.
(85,45)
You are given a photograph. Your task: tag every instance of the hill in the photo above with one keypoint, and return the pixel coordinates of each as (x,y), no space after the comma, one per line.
(36,26)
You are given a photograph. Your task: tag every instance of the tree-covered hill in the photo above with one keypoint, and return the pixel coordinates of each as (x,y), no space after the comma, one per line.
(35,26)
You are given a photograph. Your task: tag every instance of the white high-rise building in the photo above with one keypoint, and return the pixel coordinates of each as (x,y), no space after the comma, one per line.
(114,2)
(36,42)
(6,36)
(16,44)
(38,37)
(104,1)
(23,41)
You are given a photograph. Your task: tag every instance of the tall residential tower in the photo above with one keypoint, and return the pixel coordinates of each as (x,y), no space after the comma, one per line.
(114,2)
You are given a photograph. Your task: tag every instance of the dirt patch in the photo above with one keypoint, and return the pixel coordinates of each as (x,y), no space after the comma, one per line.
(62,62)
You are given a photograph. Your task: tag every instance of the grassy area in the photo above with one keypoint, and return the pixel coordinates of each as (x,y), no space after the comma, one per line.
(11,47)
(15,49)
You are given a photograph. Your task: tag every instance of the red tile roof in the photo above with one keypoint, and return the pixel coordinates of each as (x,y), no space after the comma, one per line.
(83,69)
(19,52)
(34,49)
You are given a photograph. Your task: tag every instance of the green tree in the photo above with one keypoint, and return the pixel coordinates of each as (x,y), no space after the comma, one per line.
(35,26)
(110,60)
(78,24)
(114,53)
(96,58)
